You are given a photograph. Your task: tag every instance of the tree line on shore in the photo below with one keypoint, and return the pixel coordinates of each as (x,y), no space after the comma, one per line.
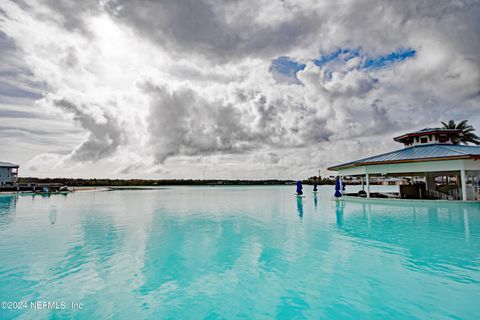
(163,182)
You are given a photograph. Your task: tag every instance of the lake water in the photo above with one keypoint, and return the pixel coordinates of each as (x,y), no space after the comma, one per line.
(237,252)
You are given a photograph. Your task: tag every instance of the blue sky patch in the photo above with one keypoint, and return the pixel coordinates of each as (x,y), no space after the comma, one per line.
(340,54)
(368,62)
(284,69)
(388,59)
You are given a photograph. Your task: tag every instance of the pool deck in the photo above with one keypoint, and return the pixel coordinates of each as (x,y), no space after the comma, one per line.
(399,200)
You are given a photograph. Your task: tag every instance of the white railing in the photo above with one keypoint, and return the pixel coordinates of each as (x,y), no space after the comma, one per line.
(476,192)
(434,194)
(455,194)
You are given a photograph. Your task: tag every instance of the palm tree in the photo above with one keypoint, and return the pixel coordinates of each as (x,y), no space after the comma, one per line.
(468,132)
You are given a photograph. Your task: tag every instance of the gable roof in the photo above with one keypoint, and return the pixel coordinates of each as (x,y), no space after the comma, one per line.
(8,165)
(428,152)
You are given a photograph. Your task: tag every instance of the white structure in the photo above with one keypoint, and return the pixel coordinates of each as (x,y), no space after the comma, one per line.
(8,174)
(448,171)
(429,136)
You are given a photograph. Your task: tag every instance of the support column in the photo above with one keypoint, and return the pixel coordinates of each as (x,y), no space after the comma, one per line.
(363,183)
(340,181)
(463,181)
(367,177)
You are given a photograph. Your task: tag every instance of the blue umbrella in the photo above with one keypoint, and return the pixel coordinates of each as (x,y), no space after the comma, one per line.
(337,188)
(299,188)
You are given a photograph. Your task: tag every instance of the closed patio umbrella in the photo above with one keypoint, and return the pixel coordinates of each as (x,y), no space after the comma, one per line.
(299,188)
(338,194)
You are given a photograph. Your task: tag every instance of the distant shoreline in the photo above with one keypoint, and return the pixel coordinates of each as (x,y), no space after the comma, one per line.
(72,182)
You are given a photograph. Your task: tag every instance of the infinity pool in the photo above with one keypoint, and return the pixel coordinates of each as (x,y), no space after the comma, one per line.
(236,252)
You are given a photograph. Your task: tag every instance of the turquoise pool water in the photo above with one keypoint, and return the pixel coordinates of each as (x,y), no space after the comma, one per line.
(237,252)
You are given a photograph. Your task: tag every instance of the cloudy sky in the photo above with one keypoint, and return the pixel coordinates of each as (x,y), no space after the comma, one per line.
(227,89)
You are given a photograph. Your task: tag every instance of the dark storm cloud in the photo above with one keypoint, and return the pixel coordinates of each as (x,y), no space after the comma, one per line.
(201,25)
(198,25)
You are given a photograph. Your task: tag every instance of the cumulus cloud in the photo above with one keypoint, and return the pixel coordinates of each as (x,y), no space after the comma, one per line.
(105,131)
(269,88)
(183,122)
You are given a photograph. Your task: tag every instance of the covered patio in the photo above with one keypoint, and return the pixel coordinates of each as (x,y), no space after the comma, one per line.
(432,171)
